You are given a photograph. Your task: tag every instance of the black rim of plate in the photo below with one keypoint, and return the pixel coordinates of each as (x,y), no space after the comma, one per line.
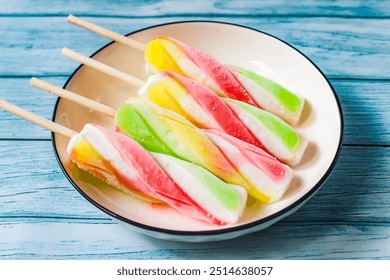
(237,228)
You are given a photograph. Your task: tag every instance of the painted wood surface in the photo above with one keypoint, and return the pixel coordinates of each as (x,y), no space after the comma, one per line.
(58,239)
(43,217)
(361,44)
(158,8)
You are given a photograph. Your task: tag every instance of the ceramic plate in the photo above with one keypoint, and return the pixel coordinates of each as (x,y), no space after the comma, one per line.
(321,123)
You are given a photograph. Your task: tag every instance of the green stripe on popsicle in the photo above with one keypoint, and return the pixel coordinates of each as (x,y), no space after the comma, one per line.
(144,125)
(289,100)
(278,127)
(134,125)
(226,195)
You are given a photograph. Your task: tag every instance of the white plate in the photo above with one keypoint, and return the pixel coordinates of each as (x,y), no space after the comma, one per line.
(321,123)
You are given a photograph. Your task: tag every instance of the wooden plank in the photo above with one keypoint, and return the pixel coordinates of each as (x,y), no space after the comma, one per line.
(368,126)
(366,108)
(359,46)
(358,185)
(201,7)
(75,240)
(357,190)
(19,92)
(32,184)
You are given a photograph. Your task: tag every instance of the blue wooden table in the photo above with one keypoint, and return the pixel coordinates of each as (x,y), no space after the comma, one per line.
(43,217)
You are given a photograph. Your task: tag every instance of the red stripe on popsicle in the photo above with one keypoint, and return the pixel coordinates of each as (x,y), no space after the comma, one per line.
(268,164)
(217,108)
(219,73)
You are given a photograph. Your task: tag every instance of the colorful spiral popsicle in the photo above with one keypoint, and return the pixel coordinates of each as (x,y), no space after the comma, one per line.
(123,163)
(166,132)
(206,109)
(166,53)
(195,102)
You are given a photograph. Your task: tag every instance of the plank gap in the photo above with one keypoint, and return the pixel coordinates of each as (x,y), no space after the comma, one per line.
(26,139)
(366,145)
(193,16)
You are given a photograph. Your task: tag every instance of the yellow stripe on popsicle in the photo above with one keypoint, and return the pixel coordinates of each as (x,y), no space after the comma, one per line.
(83,152)
(206,151)
(167,93)
(88,159)
(163,55)
(211,157)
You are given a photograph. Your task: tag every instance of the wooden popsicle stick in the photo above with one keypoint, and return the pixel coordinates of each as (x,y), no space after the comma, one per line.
(102,67)
(106,33)
(69,95)
(50,125)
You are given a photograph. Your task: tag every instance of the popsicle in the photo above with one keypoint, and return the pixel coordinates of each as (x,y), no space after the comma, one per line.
(163,131)
(270,95)
(280,139)
(272,177)
(195,102)
(166,53)
(206,109)
(122,162)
